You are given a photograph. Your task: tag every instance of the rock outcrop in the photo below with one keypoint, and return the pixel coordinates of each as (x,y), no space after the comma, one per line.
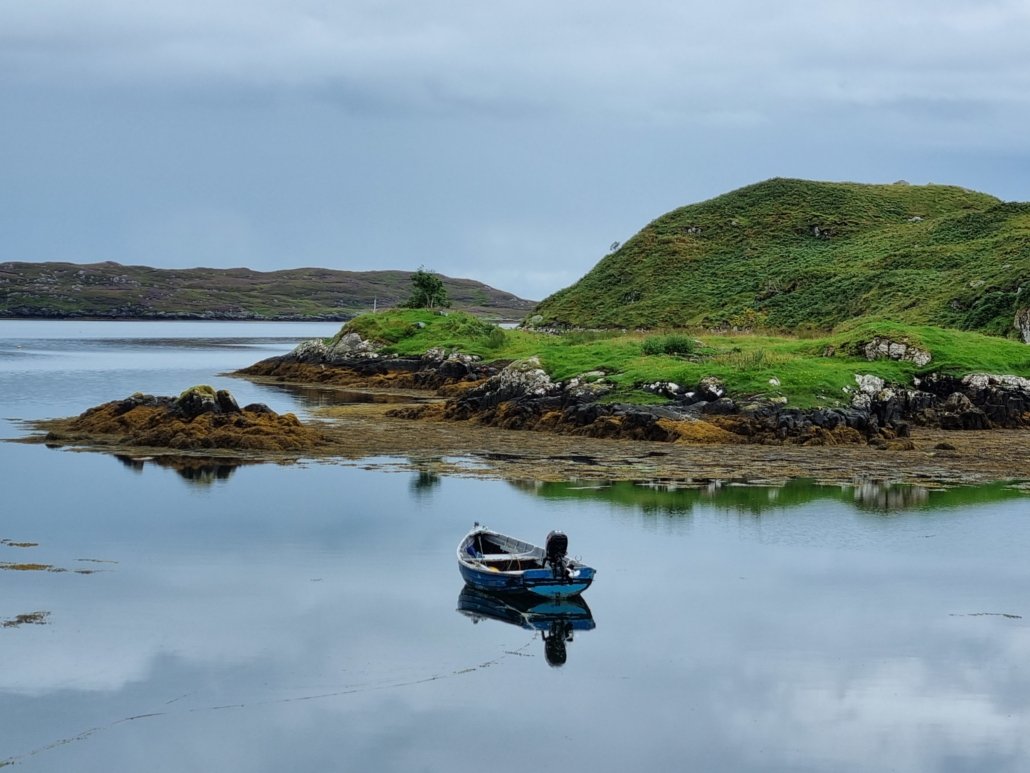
(354,361)
(886,349)
(1022,324)
(200,418)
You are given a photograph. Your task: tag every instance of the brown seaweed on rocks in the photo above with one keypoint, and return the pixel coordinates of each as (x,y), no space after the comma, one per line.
(199,419)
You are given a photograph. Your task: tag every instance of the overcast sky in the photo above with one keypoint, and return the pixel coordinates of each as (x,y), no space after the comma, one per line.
(507,142)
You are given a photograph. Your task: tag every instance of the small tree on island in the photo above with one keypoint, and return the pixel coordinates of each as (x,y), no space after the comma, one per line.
(428,291)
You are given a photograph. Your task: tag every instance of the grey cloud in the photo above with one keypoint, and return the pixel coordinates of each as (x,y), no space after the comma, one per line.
(578,55)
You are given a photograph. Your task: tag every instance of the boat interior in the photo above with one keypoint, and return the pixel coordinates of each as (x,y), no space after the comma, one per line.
(490,552)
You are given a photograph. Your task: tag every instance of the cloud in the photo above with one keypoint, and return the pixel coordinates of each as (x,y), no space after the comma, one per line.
(737,57)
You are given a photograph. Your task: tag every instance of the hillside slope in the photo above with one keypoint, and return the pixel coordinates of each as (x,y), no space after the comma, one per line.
(111,290)
(793,254)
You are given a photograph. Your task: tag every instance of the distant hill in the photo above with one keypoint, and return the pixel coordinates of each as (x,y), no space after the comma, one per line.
(113,291)
(792,254)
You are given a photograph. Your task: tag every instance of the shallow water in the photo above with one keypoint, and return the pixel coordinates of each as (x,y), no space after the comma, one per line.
(304,617)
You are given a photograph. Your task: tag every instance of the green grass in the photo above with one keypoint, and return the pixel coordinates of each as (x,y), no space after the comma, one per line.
(745,362)
(793,255)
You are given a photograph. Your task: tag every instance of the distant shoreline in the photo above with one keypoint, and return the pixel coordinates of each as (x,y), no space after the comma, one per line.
(168,318)
(111,291)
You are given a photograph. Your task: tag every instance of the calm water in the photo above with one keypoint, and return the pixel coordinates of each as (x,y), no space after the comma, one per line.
(305,617)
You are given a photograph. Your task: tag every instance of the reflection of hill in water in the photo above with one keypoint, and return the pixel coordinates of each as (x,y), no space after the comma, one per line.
(197,470)
(671,499)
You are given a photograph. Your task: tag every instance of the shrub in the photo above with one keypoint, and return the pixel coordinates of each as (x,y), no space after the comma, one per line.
(496,338)
(674,345)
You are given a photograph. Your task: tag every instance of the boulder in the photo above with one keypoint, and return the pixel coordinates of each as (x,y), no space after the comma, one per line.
(197,400)
(868,383)
(314,350)
(960,413)
(578,391)
(710,389)
(958,402)
(526,377)
(669,389)
(226,402)
(886,349)
(352,346)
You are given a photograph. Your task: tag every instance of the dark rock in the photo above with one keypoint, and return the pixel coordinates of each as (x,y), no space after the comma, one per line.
(721,407)
(196,401)
(454,370)
(710,389)
(226,402)
(957,402)
(826,419)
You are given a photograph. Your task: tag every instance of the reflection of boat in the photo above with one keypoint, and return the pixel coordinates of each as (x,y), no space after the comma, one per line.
(555,618)
(492,561)
(529,612)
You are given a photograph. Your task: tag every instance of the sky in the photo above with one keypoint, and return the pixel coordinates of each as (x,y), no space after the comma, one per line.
(506,142)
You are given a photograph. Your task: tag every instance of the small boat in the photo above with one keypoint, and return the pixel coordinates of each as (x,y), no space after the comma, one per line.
(492,561)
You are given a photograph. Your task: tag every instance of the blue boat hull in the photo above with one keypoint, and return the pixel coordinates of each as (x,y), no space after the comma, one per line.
(538,581)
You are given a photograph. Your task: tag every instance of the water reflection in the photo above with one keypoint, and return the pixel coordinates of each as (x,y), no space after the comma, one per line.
(555,619)
(678,499)
(424,482)
(202,471)
(872,495)
(325,397)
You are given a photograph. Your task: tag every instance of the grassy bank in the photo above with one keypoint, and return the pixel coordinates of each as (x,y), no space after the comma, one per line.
(809,371)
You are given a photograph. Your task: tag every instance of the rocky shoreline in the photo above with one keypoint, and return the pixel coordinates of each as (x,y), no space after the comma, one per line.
(520,395)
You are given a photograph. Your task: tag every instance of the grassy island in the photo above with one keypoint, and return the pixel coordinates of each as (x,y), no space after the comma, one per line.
(813,370)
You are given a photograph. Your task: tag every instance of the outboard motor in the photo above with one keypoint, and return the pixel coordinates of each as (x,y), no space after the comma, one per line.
(557,549)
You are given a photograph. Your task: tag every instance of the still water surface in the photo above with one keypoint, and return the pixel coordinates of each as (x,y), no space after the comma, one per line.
(305,617)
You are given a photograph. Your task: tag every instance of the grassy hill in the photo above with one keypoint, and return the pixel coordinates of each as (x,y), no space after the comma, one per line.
(794,255)
(111,290)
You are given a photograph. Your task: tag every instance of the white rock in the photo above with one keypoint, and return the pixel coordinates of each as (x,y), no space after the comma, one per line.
(868,383)
(983,380)
(313,349)
(862,400)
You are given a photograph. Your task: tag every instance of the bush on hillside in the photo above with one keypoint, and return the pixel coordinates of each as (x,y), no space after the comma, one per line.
(674,345)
